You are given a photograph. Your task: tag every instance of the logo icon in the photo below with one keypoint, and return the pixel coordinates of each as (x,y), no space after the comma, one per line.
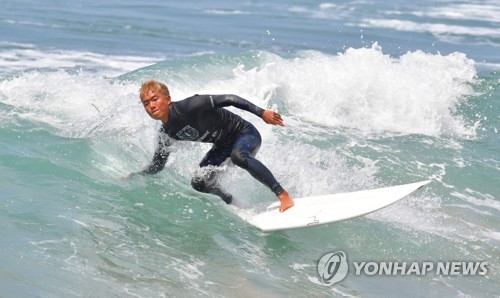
(188,133)
(332,267)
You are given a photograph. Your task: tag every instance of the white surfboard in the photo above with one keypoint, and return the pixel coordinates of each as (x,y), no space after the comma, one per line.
(320,210)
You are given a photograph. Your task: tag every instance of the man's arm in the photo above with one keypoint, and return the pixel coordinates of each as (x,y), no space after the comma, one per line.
(160,158)
(269,116)
(220,101)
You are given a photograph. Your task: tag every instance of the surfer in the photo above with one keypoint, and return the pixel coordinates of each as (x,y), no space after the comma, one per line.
(202,118)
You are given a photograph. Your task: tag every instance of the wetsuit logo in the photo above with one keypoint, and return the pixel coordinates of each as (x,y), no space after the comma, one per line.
(188,133)
(332,267)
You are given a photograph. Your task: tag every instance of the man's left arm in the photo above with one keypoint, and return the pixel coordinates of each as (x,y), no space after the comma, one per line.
(269,116)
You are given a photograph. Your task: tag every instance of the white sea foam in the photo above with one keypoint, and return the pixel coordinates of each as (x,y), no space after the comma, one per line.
(483,12)
(488,66)
(438,29)
(478,199)
(15,57)
(426,214)
(328,11)
(367,90)
(327,5)
(225,12)
(487,12)
(58,98)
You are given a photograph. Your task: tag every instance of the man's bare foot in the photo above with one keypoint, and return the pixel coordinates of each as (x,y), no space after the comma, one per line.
(286,201)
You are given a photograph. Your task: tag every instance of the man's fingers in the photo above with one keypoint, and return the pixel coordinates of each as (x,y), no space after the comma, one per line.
(278,119)
(271,117)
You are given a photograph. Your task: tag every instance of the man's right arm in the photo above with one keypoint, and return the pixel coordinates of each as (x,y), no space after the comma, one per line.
(160,158)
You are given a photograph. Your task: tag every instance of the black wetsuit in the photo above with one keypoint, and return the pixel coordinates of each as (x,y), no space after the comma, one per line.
(201,118)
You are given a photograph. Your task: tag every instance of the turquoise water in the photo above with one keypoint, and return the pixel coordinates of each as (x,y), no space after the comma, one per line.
(373,94)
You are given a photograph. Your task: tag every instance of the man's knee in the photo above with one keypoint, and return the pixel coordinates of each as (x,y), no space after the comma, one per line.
(239,158)
(199,184)
(203,179)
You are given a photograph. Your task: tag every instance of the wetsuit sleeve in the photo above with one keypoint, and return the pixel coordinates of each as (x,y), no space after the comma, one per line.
(219,101)
(159,160)
(160,157)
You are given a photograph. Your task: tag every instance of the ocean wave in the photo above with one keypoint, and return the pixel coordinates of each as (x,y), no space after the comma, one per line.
(361,89)
(369,91)
(18,57)
(437,29)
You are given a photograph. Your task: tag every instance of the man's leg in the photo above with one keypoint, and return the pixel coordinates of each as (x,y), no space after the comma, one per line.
(205,179)
(243,154)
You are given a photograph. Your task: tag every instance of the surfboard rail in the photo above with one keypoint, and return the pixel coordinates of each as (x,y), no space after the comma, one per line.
(324,209)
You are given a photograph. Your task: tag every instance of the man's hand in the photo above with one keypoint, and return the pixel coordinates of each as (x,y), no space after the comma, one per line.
(273,118)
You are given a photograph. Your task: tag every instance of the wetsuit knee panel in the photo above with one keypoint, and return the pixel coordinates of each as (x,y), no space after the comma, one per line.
(203,179)
(199,184)
(239,158)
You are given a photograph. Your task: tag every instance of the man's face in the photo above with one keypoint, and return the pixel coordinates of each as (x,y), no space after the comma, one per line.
(156,105)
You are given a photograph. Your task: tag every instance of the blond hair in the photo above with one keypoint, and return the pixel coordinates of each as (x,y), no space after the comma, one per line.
(154,86)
